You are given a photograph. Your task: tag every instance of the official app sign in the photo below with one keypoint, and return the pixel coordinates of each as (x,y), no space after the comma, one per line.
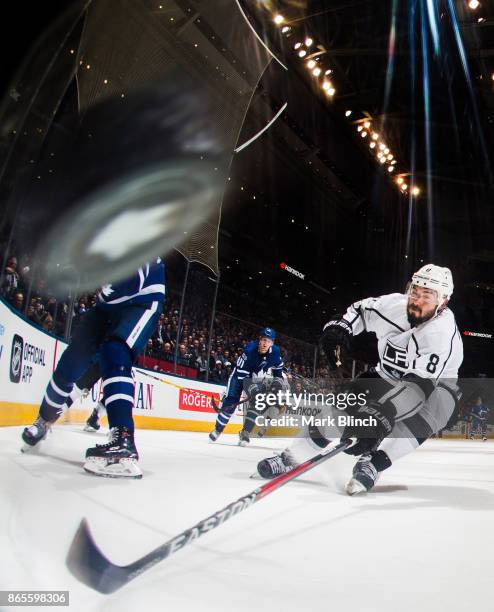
(16,358)
(23,358)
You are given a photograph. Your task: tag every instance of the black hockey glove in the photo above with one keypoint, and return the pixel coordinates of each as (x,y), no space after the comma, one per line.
(336,334)
(253,388)
(381,419)
(277,384)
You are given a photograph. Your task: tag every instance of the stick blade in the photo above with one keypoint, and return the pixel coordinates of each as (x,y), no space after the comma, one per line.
(215,406)
(88,564)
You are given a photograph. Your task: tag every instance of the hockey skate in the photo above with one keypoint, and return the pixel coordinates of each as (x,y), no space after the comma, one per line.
(92,424)
(214,435)
(35,433)
(364,476)
(274,466)
(243,438)
(262,431)
(116,459)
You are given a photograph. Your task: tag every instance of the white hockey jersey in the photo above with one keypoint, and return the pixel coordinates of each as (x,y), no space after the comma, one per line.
(431,350)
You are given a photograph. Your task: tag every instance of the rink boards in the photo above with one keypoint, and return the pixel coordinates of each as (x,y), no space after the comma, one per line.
(29,355)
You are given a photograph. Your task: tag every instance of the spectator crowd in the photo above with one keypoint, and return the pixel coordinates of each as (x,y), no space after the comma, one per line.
(29,294)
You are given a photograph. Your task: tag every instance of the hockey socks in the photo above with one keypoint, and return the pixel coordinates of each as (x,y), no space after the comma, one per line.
(55,399)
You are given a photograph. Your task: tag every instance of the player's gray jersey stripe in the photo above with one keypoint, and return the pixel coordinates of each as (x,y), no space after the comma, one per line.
(450,351)
(386,319)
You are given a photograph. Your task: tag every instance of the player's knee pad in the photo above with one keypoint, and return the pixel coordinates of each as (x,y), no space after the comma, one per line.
(115,359)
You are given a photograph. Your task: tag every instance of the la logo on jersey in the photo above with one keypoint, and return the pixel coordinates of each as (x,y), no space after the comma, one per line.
(394,360)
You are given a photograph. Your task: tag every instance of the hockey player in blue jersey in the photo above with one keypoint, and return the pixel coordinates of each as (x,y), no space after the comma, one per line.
(252,366)
(116,329)
(479,419)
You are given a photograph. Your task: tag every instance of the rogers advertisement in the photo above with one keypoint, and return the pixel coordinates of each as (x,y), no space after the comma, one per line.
(197,401)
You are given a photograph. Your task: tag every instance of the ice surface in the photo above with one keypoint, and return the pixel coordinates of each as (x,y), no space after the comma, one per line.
(422,541)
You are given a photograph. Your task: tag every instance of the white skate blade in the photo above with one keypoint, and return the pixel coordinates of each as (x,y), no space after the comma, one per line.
(125,468)
(32,450)
(89,428)
(35,448)
(354,487)
(242,443)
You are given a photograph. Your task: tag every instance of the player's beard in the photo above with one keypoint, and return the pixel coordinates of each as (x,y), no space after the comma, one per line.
(415,316)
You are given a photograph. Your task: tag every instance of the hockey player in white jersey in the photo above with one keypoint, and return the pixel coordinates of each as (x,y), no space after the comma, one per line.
(420,352)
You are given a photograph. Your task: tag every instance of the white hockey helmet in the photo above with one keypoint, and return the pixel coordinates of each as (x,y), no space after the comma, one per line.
(435,277)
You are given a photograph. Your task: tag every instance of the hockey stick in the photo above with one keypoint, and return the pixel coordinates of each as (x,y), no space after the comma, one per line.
(89,565)
(214,405)
(217,409)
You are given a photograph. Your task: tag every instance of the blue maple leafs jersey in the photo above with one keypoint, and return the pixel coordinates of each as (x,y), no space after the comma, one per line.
(480,411)
(252,363)
(146,285)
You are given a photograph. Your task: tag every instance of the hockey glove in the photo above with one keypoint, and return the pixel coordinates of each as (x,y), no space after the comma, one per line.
(335,334)
(380,419)
(277,384)
(253,388)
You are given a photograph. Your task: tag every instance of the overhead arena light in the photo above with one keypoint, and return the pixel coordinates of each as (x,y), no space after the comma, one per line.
(302,53)
(375,136)
(391,168)
(359,127)
(348,113)
(372,145)
(308,42)
(474,4)
(279,19)
(415,191)
(400,180)
(363,134)
(326,86)
(404,186)
(316,72)
(311,64)
(367,124)
(285,29)
(297,45)
(329,71)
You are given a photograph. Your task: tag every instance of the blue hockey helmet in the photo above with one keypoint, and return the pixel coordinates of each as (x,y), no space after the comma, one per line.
(268,332)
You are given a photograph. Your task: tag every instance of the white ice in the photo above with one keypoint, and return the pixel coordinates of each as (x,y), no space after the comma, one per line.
(421,541)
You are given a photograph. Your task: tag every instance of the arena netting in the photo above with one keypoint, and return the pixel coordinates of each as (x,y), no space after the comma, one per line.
(110,56)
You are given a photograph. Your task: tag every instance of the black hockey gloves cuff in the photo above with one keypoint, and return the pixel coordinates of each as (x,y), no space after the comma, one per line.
(370,424)
(336,334)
